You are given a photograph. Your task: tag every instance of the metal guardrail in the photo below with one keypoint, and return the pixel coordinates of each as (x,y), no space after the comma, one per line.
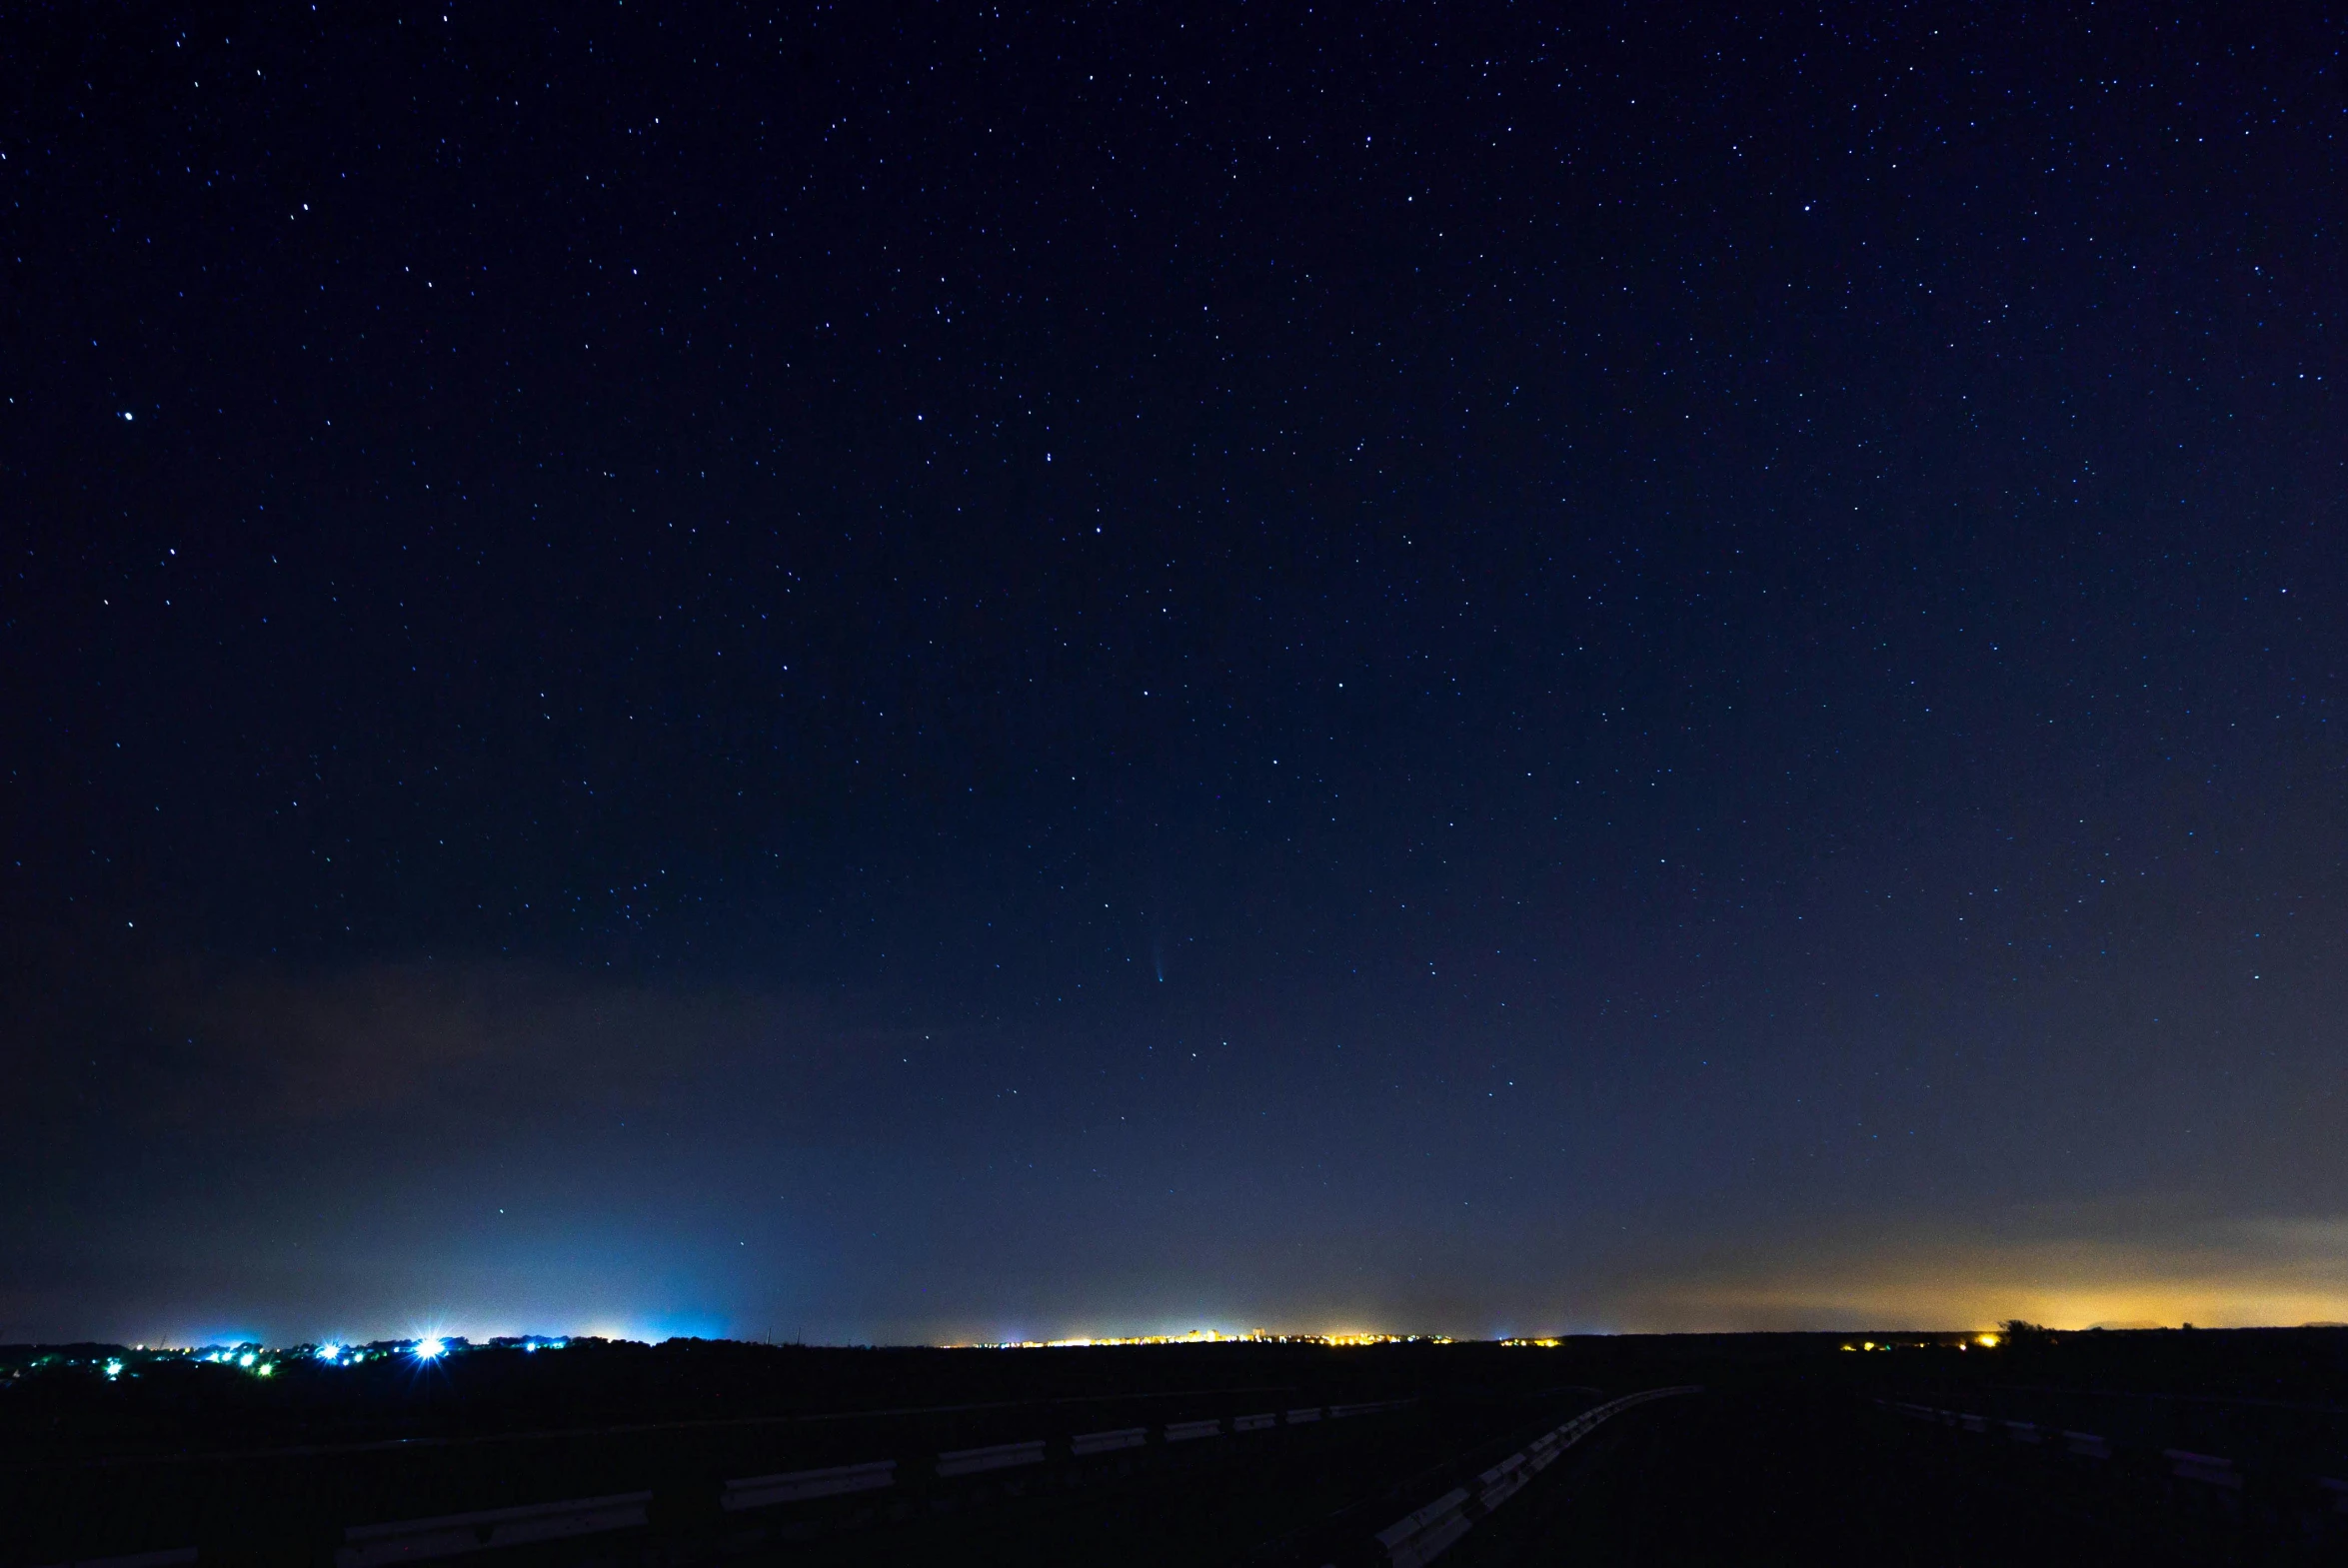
(1420,1537)
(451,1535)
(765,1491)
(1085,1444)
(2208,1469)
(2182,1464)
(2085,1445)
(1001,1457)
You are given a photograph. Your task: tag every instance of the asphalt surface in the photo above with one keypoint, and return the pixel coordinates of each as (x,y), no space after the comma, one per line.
(1778,1477)
(1764,1477)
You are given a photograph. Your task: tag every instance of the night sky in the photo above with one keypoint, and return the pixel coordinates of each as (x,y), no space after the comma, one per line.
(919,673)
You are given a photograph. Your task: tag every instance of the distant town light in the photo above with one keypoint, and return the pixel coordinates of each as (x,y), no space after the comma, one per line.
(1209,1336)
(430,1349)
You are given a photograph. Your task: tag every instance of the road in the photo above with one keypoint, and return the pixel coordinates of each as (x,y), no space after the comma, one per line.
(1780,1477)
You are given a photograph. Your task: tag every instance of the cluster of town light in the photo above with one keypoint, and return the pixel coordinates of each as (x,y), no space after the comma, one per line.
(1985,1341)
(1209,1336)
(435,1347)
(263,1362)
(259,1361)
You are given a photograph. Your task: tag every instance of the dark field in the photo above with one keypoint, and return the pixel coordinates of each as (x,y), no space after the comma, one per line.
(1793,1450)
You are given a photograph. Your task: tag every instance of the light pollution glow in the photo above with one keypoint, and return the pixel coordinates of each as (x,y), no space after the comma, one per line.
(2215,1274)
(2068,1267)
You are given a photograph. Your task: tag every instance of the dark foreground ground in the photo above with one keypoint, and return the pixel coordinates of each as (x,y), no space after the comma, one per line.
(1754,1478)
(1271,1455)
